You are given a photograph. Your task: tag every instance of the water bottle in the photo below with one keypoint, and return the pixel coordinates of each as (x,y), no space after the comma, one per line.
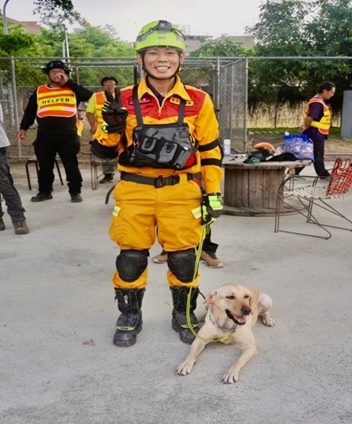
(227,146)
(278,150)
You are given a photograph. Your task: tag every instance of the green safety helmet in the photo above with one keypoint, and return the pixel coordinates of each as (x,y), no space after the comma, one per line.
(160,34)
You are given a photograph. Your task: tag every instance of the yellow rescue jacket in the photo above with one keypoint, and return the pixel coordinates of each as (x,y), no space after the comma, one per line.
(324,124)
(200,118)
(56,101)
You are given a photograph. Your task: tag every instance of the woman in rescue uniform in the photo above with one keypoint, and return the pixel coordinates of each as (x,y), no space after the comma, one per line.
(316,125)
(170,144)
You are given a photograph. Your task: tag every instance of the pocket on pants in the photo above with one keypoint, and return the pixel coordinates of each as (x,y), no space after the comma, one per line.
(114,226)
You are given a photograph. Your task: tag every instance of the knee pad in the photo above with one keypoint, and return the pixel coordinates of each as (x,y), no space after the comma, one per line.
(182,264)
(131,264)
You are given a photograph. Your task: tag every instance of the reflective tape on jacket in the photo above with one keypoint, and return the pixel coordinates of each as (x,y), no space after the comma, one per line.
(324,124)
(60,102)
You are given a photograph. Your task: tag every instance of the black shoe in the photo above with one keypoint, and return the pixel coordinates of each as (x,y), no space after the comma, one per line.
(127,328)
(180,311)
(76,198)
(40,197)
(107,179)
(179,323)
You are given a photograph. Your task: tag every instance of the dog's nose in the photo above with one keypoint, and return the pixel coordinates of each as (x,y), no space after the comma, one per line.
(246,310)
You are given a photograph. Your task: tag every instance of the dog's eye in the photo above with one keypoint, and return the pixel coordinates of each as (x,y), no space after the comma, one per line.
(230,297)
(246,296)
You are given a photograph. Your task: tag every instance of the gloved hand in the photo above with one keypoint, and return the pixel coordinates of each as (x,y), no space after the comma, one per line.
(211,207)
(113,113)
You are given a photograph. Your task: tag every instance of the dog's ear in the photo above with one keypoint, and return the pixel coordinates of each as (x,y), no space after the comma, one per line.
(210,297)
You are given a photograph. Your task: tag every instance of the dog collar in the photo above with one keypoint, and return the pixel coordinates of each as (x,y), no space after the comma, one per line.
(230,330)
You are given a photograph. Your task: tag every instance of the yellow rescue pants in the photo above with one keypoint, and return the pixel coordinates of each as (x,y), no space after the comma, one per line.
(142,213)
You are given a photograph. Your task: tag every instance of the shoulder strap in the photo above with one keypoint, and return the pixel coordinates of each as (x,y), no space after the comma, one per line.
(136,105)
(181,112)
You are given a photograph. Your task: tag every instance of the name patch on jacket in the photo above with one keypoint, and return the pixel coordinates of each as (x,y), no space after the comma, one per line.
(141,101)
(176,101)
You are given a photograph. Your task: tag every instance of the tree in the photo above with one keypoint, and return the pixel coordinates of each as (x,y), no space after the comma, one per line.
(298,28)
(224,46)
(57,12)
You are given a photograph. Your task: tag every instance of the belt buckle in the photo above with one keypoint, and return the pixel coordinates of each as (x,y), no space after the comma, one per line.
(158,182)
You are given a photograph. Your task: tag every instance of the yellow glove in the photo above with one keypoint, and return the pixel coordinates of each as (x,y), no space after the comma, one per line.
(211,207)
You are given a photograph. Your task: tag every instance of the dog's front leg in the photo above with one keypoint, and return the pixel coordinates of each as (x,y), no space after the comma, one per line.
(231,376)
(196,348)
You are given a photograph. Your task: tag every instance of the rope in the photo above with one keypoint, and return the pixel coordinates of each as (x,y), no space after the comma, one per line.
(205,230)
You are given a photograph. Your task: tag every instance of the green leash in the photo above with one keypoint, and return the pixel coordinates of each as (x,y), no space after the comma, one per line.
(205,230)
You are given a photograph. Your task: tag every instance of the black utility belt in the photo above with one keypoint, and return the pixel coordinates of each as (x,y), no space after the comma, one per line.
(157,182)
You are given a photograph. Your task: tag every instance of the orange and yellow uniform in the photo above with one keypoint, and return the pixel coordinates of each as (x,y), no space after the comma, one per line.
(174,209)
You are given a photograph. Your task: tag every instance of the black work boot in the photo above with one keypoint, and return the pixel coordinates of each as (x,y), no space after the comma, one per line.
(179,318)
(129,323)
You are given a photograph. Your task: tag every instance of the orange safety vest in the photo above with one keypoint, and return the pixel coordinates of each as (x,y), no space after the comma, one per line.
(324,124)
(100,99)
(58,102)
(103,138)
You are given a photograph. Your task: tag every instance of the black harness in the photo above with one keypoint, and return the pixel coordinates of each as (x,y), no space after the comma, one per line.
(160,146)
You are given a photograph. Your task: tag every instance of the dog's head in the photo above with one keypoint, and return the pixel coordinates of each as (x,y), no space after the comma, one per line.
(233,300)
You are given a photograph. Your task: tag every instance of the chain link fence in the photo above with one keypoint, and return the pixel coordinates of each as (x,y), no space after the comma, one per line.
(223,78)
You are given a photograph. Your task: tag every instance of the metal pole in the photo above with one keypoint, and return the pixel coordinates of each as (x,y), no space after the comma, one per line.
(275,111)
(67,49)
(5,18)
(245,106)
(15,104)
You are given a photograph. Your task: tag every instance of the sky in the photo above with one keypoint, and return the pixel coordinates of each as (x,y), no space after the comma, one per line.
(199,17)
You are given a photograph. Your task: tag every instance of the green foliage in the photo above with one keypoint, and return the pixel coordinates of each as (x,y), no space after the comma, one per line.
(16,42)
(221,47)
(319,28)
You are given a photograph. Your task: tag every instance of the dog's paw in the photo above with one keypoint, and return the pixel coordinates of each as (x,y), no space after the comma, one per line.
(230,377)
(184,369)
(267,320)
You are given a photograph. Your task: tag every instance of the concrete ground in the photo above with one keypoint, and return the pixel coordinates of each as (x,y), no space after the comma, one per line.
(57,361)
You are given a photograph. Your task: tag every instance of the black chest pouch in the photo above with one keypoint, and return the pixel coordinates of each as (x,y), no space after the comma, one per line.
(161,146)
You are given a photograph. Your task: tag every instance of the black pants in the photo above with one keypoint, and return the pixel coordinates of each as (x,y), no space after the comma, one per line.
(208,245)
(319,150)
(46,146)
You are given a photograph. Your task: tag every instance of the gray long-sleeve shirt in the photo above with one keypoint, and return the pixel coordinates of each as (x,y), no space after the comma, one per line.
(4,140)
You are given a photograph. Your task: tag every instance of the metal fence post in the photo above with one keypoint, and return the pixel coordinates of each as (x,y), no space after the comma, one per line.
(15,104)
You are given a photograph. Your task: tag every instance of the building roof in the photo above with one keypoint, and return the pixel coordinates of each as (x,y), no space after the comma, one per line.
(29,26)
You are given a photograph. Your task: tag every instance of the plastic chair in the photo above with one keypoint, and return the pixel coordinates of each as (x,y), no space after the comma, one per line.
(306,199)
(33,159)
(95,164)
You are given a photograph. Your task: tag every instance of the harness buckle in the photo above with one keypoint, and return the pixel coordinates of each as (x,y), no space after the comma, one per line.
(161,182)
(158,182)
